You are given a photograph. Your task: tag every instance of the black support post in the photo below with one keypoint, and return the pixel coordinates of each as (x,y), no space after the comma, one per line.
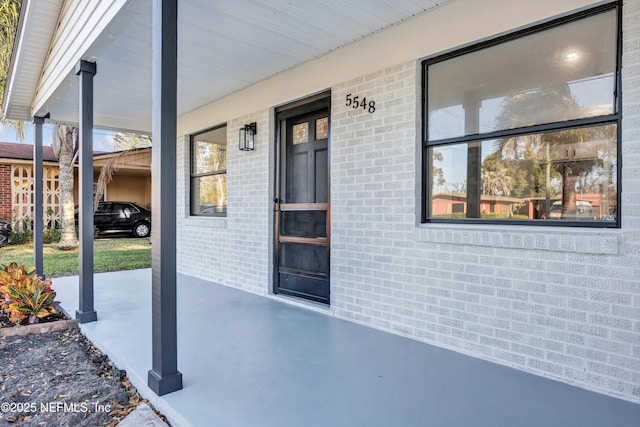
(86,313)
(38,189)
(164,376)
(474,153)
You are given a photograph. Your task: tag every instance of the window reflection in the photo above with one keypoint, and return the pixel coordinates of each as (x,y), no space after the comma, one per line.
(573,66)
(209,172)
(565,175)
(211,193)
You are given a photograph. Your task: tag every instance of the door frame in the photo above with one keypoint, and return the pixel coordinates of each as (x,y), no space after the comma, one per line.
(281,114)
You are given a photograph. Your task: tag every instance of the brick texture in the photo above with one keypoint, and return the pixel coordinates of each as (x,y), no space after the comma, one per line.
(5,192)
(233,250)
(561,303)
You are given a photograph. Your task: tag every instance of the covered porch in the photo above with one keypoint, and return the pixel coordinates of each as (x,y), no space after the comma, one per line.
(250,360)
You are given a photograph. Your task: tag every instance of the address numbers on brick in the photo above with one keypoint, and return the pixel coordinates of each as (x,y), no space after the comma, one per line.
(355,102)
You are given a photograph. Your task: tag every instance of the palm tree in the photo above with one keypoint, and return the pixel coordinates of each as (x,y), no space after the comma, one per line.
(496,182)
(557,150)
(9,16)
(64,136)
(123,142)
(65,145)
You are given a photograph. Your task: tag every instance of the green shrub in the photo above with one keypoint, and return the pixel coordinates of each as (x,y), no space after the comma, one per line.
(494,215)
(452,215)
(24,296)
(21,237)
(96,233)
(51,235)
(490,215)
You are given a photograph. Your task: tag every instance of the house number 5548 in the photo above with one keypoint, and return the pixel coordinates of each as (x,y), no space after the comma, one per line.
(356,102)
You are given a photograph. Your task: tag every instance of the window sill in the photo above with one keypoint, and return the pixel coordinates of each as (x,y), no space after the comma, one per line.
(575,240)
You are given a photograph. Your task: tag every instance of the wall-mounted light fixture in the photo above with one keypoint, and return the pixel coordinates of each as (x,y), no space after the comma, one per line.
(247,136)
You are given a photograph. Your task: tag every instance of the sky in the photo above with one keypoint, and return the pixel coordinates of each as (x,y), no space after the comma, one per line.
(102,139)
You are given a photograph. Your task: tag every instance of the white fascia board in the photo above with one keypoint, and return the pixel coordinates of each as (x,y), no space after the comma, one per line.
(35,27)
(80,25)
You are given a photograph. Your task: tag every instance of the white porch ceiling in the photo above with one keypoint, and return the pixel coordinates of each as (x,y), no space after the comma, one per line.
(223,46)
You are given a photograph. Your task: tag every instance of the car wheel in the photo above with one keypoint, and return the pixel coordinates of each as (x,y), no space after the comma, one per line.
(141,229)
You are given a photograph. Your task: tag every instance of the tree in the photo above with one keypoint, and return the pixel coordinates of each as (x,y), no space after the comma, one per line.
(128,141)
(437,174)
(123,142)
(211,157)
(496,182)
(65,145)
(9,16)
(568,154)
(64,137)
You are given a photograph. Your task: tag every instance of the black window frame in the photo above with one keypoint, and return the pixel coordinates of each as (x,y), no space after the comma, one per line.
(615,118)
(193,175)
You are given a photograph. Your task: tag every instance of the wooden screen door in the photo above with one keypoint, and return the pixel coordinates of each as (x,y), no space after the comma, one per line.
(302,202)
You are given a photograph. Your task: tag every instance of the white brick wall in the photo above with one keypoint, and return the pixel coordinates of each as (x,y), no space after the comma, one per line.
(232,250)
(562,303)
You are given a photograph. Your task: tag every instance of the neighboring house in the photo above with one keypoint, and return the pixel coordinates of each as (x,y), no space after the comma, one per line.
(357,128)
(131,181)
(448,205)
(16,184)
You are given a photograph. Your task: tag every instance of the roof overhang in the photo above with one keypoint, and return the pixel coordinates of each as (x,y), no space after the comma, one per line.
(233,47)
(223,48)
(33,37)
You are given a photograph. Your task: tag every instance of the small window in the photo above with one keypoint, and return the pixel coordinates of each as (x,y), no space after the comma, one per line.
(322,128)
(301,133)
(209,172)
(525,128)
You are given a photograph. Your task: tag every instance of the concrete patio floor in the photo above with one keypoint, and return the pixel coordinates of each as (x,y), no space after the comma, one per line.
(252,361)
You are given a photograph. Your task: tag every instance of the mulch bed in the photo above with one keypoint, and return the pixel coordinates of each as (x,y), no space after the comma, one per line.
(60,379)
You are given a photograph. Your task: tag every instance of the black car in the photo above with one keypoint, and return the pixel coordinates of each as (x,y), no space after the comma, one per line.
(5,232)
(122,217)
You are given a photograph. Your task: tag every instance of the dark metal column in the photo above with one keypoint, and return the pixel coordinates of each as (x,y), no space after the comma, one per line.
(474,153)
(86,313)
(38,189)
(164,377)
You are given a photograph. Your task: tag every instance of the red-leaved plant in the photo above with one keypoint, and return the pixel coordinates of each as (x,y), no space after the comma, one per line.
(24,296)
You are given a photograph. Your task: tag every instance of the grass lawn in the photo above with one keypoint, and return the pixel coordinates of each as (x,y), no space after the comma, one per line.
(108,255)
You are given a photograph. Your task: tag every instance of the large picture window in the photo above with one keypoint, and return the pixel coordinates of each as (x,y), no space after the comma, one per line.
(525,128)
(209,172)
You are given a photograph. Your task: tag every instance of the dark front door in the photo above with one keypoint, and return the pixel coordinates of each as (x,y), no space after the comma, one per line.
(302,203)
